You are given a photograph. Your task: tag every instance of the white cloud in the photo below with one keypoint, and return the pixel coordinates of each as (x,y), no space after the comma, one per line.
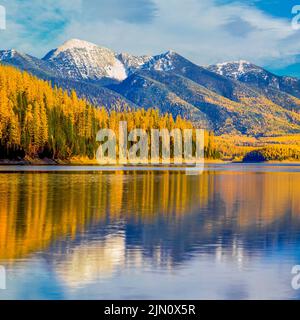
(203,31)
(200,30)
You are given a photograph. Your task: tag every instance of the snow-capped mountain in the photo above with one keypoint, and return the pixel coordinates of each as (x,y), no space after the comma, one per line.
(247,72)
(26,62)
(163,62)
(7,54)
(256,76)
(133,63)
(233,97)
(82,60)
(234,69)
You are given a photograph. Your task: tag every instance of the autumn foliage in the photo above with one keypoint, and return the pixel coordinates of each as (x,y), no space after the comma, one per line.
(37,120)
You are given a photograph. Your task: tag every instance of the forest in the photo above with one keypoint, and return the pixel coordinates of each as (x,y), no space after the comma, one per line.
(38,121)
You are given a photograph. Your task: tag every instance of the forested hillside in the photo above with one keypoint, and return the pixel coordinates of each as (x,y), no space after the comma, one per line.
(236,98)
(37,120)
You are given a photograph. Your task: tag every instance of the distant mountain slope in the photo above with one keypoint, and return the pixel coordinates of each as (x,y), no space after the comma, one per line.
(47,69)
(147,92)
(96,94)
(133,63)
(173,62)
(251,114)
(27,63)
(255,76)
(235,98)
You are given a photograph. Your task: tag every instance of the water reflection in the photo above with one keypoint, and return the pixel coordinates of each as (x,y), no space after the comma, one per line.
(90,228)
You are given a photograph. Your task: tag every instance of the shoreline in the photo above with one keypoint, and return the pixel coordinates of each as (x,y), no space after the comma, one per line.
(73,162)
(88,162)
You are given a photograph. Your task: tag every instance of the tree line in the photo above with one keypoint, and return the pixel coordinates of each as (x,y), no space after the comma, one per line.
(38,120)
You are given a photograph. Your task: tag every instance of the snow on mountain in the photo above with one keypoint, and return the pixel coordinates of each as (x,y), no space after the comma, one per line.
(247,72)
(27,63)
(133,63)
(235,69)
(79,60)
(7,54)
(173,84)
(74,44)
(82,60)
(162,62)
(261,79)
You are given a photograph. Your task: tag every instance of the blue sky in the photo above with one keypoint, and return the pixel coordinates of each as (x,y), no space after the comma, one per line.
(205,31)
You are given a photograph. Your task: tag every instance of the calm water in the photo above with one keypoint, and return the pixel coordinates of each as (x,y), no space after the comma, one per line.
(231,233)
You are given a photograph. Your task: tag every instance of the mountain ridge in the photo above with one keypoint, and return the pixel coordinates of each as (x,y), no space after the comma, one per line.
(252,74)
(233,97)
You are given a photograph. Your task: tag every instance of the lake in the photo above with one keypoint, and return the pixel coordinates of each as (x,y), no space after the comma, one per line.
(232,232)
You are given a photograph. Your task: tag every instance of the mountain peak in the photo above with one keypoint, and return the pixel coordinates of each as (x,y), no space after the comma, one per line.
(76,44)
(78,59)
(250,73)
(163,62)
(234,62)
(235,69)
(171,52)
(10,54)
(133,63)
(241,62)
(71,45)
(237,64)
